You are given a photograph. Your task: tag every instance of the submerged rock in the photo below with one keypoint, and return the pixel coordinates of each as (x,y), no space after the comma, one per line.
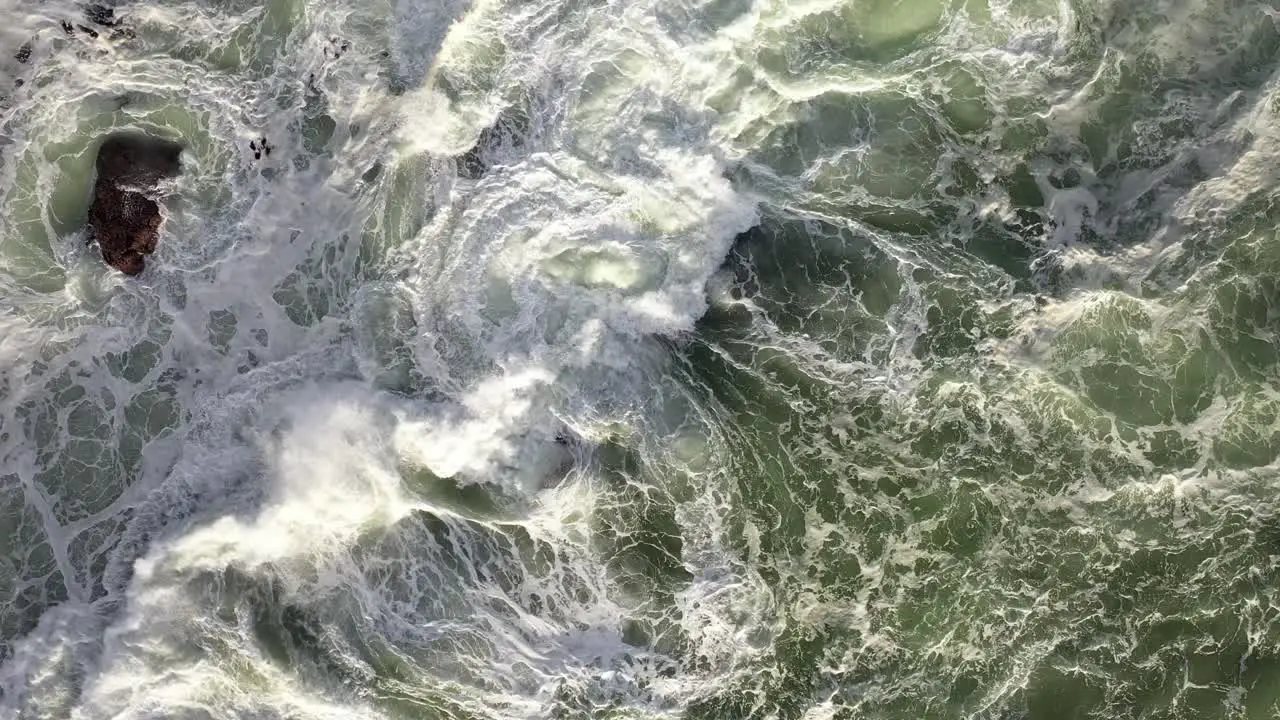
(508,133)
(101,15)
(125,218)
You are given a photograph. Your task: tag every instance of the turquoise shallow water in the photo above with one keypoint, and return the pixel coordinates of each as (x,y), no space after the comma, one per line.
(631,360)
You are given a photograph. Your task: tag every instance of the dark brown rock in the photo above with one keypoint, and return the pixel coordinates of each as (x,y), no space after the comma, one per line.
(125,216)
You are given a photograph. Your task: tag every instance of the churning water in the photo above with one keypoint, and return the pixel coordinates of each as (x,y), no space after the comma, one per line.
(703,359)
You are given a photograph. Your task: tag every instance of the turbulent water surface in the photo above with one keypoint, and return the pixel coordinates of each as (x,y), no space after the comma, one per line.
(626,359)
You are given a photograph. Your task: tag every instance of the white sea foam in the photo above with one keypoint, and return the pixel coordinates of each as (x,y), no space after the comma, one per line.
(519,303)
(389,426)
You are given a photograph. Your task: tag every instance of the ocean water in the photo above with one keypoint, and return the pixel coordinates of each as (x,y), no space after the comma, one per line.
(705,359)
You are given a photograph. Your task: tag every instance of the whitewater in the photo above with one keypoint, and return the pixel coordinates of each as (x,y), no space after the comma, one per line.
(637,359)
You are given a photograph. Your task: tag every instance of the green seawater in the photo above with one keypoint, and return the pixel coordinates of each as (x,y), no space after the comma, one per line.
(717,359)
(997,378)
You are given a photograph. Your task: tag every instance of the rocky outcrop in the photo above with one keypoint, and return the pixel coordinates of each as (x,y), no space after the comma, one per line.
(103,16)
(125,216)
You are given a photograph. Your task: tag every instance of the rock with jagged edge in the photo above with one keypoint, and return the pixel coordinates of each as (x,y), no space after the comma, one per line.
(125,216)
